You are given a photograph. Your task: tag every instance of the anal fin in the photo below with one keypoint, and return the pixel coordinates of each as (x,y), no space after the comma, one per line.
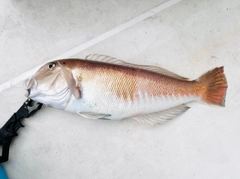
(162,116)
(90,115)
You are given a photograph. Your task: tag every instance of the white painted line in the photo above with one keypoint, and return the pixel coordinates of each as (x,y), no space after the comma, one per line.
(117,29)
(94,41)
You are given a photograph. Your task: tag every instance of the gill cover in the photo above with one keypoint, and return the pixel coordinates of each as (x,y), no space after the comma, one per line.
(70,81)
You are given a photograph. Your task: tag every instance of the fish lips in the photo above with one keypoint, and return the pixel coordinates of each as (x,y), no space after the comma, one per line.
(29,84)
(28,93)
(31,93)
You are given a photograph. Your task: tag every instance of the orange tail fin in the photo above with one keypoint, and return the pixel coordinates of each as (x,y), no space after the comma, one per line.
(216,84)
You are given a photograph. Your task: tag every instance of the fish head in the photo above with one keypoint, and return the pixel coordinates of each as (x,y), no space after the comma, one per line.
(49,86)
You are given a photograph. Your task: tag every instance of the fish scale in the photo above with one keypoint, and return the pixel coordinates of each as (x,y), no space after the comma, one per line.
(102,87)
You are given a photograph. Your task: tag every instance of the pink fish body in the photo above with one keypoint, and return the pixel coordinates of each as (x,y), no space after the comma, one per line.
(101,87)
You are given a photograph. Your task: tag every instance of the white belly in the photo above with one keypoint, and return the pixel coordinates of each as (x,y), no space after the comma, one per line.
(102,102)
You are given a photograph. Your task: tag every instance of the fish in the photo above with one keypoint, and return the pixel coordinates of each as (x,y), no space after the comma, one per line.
(103,87)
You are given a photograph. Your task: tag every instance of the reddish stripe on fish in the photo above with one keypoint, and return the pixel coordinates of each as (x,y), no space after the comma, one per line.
(127,82)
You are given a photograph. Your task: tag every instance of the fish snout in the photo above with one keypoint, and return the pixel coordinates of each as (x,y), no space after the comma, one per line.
(29,83)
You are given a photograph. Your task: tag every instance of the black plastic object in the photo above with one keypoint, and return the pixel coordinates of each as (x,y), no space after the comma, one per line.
(10,128)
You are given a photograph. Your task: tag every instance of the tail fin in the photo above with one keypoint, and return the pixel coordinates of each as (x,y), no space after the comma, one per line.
(216,84)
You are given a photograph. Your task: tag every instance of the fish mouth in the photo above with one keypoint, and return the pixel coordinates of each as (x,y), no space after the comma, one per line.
(31,94)
(28,93)
(31,88)
(35,88)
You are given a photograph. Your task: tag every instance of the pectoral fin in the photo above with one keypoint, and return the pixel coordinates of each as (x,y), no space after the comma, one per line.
(162,116)
(70,81)
(90,115)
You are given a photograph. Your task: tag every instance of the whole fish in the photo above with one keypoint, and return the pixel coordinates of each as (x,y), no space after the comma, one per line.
(102,87)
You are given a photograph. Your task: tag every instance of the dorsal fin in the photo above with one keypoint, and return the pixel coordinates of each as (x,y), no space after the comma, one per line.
(108,59)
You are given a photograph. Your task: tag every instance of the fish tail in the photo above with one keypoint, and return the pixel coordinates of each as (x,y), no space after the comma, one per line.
(216,86)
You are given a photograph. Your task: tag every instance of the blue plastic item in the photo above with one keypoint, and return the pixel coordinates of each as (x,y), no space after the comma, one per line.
(3,174)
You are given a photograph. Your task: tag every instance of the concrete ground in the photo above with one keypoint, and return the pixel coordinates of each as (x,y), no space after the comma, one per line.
(187,37)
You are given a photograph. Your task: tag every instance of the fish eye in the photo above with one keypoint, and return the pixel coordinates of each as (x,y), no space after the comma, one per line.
(51,66)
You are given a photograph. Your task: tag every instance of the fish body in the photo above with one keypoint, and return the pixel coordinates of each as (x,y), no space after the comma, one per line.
(101,87)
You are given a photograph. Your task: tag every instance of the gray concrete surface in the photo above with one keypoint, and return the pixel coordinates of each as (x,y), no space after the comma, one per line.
(188,38)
